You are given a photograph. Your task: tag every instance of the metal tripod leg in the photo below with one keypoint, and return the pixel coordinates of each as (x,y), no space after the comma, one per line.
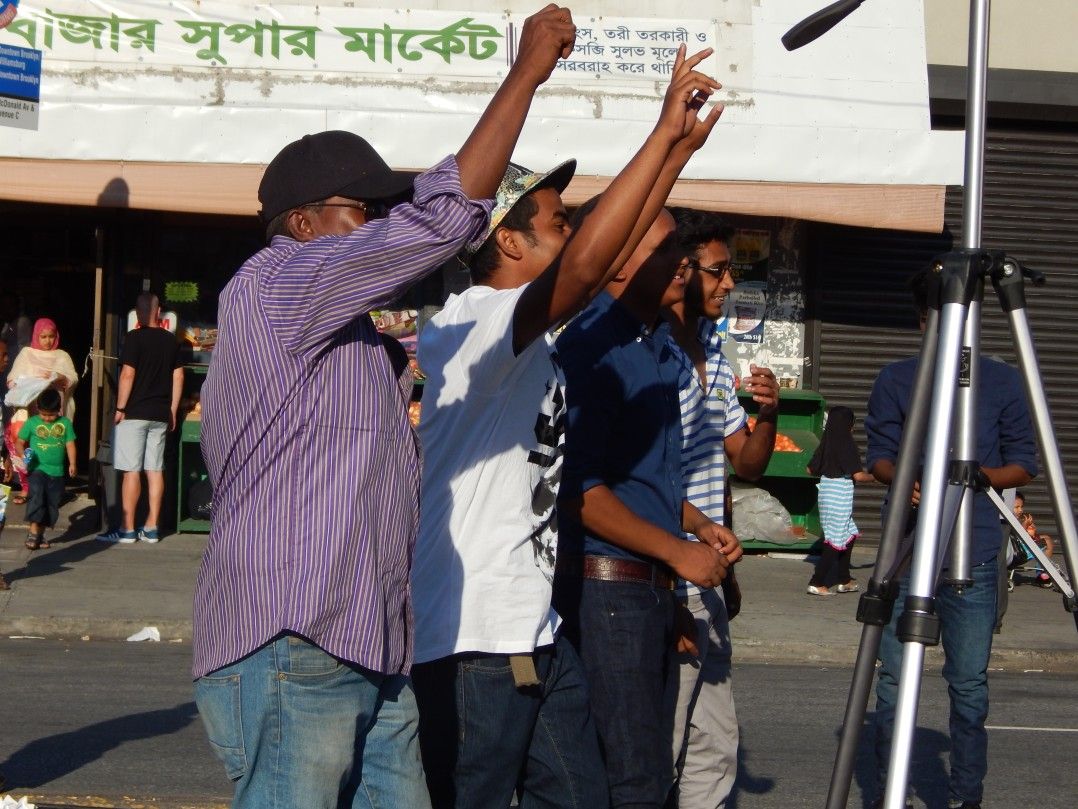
(875,605)
(1009,281)
(1054,573)
(918,625)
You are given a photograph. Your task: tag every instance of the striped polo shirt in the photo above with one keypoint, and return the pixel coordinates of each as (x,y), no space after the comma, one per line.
(709,414)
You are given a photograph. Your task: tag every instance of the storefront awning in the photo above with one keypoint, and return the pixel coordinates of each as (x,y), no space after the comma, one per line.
(232,189)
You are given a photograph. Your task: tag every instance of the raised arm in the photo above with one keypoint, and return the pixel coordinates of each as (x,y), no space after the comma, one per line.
(625,211)
(547,35)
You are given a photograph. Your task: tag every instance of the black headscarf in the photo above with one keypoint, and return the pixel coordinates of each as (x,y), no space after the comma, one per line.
(836,456)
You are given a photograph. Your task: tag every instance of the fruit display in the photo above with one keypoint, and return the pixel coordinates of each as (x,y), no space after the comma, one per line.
(783,443)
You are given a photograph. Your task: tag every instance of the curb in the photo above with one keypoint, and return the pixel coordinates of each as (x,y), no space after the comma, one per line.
(57,628)
(749,650)
(746,650)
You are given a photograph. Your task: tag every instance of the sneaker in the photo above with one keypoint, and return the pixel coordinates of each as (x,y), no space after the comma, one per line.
(150,535)
(849,587)
(118,536)
(819,590)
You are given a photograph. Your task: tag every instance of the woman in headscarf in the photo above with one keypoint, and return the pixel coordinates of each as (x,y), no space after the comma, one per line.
(838,464)
(42,358)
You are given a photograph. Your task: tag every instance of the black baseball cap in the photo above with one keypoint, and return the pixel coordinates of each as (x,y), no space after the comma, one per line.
(327,164)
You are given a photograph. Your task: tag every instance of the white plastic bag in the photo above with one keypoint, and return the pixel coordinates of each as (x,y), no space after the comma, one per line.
(26,390)
(759,515)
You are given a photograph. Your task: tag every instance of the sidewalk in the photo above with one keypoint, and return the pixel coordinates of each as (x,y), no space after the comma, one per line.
(83,588)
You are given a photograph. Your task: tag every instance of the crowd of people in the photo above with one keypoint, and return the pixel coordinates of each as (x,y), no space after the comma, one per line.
(537,609)
(528,597)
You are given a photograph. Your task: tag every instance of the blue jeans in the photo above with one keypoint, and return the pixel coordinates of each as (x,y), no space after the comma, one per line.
(295,726)
(623,632)
(967,621)
(482,737)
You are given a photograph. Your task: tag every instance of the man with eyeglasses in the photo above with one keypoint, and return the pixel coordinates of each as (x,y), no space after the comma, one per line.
(714,431)
(302,619)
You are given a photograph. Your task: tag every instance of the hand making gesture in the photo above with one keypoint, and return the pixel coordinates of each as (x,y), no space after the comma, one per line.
(547,36)
(688,92)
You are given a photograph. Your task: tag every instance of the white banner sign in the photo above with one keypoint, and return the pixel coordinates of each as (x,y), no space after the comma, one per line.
(338,39)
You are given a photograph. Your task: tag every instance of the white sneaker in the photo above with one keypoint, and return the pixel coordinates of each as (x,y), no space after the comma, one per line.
(150,535)
(118,536)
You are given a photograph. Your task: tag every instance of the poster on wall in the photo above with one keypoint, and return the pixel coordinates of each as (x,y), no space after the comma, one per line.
(747,302)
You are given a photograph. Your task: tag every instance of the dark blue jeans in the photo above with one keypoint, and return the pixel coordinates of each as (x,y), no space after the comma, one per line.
(623,633)
(967,621)
(483,738)
(43,504)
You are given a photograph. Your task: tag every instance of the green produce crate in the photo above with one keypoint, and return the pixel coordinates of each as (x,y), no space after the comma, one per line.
(801,417)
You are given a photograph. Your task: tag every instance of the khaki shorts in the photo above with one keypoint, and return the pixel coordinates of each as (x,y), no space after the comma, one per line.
(139,445)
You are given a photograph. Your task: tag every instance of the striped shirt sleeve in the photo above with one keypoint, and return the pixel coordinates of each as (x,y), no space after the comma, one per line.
(311,296)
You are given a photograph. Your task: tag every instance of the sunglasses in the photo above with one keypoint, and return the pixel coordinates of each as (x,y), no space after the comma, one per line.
(718,270)
(371,210)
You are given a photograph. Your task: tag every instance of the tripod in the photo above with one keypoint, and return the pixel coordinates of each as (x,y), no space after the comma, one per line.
(943,407)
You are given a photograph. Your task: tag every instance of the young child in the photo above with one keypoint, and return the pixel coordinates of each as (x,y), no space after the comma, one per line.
(6,473)
(839,466)
(50,437)
(1044,542)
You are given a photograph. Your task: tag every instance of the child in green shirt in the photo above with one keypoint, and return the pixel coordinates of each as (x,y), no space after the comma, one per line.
(51,438)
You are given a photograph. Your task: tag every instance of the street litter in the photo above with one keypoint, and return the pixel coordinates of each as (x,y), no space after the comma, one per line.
(10,803)
(146,633)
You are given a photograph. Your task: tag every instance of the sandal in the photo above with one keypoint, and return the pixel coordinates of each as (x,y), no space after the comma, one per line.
(33,542)
(19,499)
(43,543)
(819,590)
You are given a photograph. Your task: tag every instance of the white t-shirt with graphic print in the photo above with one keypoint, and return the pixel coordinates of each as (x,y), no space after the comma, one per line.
(491,432)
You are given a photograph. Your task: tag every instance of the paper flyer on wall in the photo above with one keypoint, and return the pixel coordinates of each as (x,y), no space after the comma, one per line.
(747,302)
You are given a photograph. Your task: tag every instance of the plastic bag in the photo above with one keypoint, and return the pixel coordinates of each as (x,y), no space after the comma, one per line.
(26,390)
(759,515)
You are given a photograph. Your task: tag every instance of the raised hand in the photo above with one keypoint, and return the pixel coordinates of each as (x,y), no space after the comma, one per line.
(687,93)
(547,36)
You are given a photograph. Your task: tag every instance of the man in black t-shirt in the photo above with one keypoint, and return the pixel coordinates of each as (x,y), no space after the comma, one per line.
(151,379)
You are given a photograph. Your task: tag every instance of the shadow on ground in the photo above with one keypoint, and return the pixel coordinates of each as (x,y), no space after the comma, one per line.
(46,760)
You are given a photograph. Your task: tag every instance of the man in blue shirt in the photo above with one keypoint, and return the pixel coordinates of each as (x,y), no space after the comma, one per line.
(622,511)
(1006,452)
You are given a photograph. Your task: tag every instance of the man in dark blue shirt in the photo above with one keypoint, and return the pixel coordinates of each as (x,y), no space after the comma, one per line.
(622,511)
(1006,452)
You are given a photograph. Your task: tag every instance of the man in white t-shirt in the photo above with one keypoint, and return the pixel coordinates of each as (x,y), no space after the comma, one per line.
(502,697)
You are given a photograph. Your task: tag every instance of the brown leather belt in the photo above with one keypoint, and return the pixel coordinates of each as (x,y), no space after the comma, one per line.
(612,568)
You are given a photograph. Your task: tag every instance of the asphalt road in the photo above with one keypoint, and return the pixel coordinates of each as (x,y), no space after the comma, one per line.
(114,724)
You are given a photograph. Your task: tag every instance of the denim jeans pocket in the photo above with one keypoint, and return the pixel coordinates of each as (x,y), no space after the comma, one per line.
(492,665)
(626,602)
(218,700)
(304,658)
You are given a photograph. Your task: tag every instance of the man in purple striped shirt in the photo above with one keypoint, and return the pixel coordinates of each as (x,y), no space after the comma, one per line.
(303,631)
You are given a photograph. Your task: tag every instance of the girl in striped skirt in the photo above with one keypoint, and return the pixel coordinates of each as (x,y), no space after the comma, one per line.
(839,467)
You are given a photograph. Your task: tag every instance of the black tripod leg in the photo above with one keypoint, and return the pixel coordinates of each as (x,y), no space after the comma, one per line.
(875,605)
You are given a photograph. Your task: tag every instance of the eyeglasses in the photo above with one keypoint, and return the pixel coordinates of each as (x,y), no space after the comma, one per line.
(371,210)
(718,270)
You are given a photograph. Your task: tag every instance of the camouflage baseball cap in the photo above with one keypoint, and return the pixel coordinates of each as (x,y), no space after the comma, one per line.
(517,183)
